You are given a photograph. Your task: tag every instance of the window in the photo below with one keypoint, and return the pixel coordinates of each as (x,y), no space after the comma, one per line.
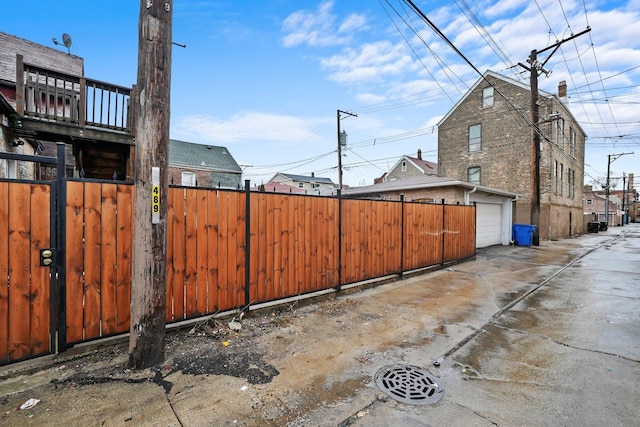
(404,166)
(572,142)
(559,133)
(189,179)
(589,201)
(572,180)
(554,178)
(474,175)
(12,169)
(561,180)
(475,137)
(301,185)
(487,97)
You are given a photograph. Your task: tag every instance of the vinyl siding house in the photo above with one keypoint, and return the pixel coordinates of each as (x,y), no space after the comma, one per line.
(408,166)
(309,184)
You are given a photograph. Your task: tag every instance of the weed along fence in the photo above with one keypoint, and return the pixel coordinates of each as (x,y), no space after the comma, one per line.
(225,250)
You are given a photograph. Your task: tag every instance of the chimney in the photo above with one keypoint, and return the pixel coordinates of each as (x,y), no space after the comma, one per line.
(313,174)
(562,90)
(419,154)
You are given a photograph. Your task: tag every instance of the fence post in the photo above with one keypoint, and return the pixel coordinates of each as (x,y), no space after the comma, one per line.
(61,241)
(444,230)
(339,285)
(247,244)
(401,235)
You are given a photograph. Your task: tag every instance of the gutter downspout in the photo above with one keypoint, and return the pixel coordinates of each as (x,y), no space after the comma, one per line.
(515,199)
(466,195)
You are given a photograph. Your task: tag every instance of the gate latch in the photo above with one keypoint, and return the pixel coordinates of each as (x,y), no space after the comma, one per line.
(47,257)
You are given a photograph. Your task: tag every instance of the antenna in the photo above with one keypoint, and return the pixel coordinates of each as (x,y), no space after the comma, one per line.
(66,41)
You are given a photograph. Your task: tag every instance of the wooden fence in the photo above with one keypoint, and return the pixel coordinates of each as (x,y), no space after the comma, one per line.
(25,291)
(225,249)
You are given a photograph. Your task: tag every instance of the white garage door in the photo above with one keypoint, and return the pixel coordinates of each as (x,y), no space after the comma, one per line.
(488,224)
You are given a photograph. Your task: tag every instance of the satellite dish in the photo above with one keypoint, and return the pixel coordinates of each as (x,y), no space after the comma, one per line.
(66,41)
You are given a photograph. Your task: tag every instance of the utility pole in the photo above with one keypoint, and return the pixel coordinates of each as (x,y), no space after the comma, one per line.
(624,191)
(342,140)
(607,185)
(152,108)
(535,68)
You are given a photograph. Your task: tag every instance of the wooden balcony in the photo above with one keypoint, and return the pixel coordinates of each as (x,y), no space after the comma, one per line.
(63,107)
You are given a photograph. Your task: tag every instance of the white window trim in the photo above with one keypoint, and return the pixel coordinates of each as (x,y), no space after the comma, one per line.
(477,170)
(487,101)
(479,139)
(188,179)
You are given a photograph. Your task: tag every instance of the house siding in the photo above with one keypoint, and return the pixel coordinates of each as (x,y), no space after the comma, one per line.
(398,174)
(506,153)
(35,54)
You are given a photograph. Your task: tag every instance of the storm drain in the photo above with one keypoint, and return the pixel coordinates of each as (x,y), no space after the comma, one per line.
(409,384)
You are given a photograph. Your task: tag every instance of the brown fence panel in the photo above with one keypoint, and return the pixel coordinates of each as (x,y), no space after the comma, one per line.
(371,239)
(98,259)
(5,319)
(423,235)
(293,245)
(460,236)
(40,296)
(92,261)
(25,286)
(74,255)
(124,245)
(205,252)
(191,219)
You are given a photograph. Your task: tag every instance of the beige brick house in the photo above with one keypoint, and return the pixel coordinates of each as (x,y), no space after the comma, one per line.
(486,138)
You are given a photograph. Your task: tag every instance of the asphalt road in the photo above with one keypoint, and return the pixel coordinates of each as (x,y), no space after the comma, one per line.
(539,336)
(565,353)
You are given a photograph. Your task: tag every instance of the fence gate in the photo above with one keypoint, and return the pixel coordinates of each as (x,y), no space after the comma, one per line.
(28,261)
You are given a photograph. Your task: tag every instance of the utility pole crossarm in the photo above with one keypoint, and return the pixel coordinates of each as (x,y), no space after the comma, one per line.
(557,44)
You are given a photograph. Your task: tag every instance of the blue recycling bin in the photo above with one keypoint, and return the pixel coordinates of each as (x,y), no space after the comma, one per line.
(523,234)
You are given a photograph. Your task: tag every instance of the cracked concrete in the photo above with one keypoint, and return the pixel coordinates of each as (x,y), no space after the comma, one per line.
(546,335)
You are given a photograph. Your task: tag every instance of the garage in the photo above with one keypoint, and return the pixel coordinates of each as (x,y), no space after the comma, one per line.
(488,224)
(494,207)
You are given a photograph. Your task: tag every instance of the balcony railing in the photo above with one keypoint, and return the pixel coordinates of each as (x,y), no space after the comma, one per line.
(48,95)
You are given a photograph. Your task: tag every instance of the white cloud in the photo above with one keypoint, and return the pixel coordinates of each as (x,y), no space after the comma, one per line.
(250,127)
(320,27)
(368,62)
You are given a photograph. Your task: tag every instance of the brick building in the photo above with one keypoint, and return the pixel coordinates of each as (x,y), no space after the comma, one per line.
(198,165)
(486,138)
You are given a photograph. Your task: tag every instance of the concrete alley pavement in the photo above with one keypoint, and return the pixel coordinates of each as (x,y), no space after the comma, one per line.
(547,335)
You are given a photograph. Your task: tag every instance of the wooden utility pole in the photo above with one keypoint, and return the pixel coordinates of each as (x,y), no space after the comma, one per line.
(148,272)
(342,140)
(535,68)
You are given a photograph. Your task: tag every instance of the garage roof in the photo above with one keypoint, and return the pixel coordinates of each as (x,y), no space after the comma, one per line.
(423,181)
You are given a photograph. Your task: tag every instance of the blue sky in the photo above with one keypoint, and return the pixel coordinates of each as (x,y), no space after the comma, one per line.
(266,78)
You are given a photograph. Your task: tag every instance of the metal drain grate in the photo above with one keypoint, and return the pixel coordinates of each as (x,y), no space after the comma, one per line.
(409,384)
